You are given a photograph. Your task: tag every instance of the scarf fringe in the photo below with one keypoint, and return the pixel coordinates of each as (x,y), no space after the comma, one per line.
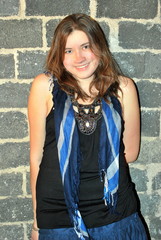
(69,155)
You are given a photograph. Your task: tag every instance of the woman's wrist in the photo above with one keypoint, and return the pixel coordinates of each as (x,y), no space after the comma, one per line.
(35,228)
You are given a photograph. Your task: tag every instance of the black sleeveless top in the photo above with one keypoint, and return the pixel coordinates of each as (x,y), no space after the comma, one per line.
(51,208)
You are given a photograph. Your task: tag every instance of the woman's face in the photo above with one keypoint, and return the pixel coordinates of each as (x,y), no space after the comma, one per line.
(79,59)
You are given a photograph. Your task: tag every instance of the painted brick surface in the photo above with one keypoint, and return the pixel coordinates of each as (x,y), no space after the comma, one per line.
(133,29)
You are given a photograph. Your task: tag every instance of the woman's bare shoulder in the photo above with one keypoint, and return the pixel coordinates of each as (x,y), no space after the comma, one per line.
(127,92)
(42,80)
(126,83)
(43,83)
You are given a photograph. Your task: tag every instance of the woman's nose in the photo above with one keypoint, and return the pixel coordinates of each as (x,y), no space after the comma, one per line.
(79,56)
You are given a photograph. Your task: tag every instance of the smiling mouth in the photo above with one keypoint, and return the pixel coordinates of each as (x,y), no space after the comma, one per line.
(83,66)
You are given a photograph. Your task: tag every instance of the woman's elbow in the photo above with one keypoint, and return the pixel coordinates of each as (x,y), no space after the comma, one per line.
(131,156)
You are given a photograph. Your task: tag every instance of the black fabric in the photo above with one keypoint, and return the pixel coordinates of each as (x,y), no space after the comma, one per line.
(51,208)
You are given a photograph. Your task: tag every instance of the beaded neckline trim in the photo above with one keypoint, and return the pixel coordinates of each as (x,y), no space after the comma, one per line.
(87,116)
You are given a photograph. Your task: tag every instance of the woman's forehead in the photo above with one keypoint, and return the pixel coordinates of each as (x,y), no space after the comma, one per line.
(77,37)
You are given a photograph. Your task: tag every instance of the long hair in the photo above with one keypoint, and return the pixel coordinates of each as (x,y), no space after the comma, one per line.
(106,77)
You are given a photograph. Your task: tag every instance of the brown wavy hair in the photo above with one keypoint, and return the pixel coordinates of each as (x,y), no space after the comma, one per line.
(106,79)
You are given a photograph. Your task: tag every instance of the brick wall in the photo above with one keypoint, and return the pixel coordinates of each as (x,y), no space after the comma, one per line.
(26,27)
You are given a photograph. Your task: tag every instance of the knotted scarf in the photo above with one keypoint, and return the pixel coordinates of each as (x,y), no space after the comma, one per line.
(70,155)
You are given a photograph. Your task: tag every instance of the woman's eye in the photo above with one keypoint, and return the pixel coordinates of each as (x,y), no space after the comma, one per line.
(86,47)
(68,51)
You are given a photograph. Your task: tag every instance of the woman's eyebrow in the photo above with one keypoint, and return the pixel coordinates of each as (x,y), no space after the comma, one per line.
(80,45)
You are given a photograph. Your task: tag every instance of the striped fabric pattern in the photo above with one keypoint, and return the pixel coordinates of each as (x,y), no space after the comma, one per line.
(70,155)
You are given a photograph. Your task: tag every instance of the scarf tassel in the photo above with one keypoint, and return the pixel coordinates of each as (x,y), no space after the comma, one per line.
(109,198)
(79,226)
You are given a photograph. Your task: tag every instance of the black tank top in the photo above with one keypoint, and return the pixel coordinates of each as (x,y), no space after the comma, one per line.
(51,208)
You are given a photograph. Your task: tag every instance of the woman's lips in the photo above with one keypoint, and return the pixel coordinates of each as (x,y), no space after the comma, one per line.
(82,67)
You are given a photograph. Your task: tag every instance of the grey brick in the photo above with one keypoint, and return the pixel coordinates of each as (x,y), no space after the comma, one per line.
(29,227)
(150,152)
(155,227)
(150,123)
(53,8)
(10,184)
(50,28)
(139,65)
(14,95)
(140,178)
(9,7)
(156,182)
(152,65)
(127,8)
(13,155)
(131,64)
(106,29)
(13,125)
(149,204)
(31,63)
(16,209)
(12,232)
(134,35)
(150,94)
(28,189)
(20,33)
(7,66)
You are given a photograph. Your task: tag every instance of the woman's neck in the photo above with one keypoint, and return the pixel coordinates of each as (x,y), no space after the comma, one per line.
(85,86)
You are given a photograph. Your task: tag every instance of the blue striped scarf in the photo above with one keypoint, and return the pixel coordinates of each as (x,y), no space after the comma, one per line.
(70,155)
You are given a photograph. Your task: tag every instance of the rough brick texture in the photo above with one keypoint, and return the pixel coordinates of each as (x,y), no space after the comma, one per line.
(140,178)
(151,89)
(150,123)
(13,155)
(150,152)
(14,94)
(30,63)
(9,7)
(13,125)
(127,9)
(12,232)
(7,66)
(16,209)
(11,184)
(133,30)
(20,33)
(137,35)
(53,8)
(139,64)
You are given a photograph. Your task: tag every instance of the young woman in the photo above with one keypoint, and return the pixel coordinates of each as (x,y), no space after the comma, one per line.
(84,130)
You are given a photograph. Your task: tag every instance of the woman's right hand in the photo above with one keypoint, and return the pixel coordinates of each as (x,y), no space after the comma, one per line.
(34,235)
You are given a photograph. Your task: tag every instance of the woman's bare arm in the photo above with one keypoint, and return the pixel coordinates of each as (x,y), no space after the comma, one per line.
(131,116)
(39,105)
